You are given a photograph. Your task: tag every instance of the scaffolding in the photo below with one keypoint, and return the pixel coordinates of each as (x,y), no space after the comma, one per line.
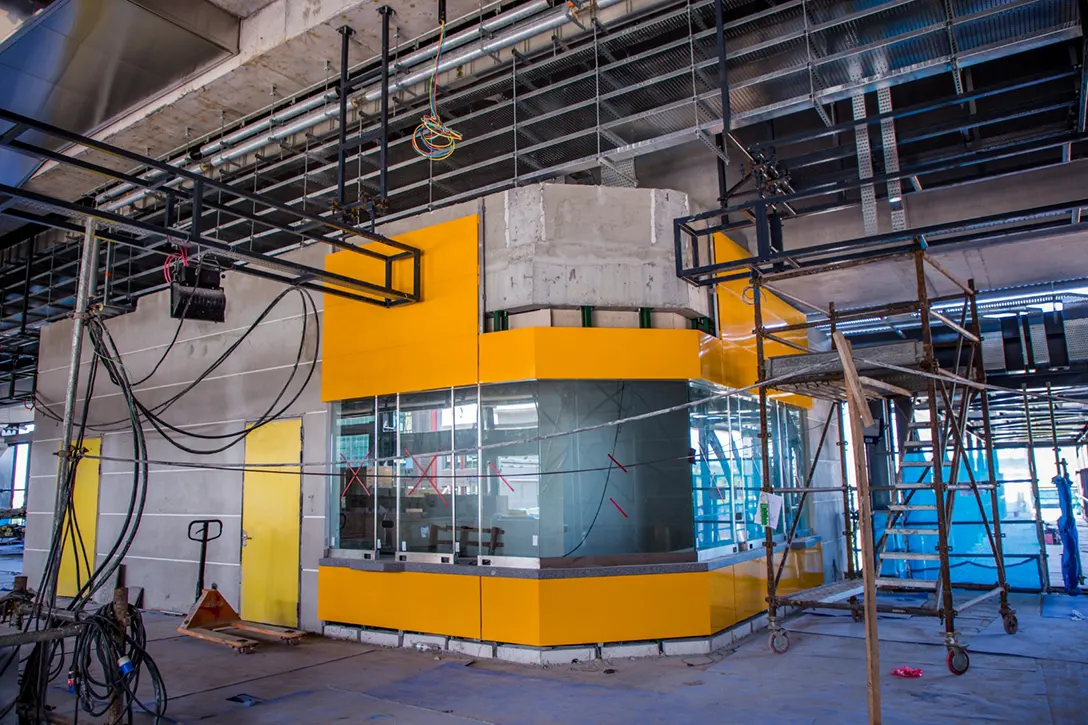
(925,391)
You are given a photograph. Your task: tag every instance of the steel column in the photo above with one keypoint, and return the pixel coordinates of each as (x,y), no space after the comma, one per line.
(341,153)
(764,444)
(945,605)
(1044,564)
(383,153)
(88,262)
(723,80)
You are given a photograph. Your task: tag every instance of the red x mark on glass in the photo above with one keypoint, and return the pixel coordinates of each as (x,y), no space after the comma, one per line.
(354,477)
(426,475)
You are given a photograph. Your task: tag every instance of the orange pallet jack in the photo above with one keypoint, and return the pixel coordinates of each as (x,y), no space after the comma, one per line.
(211,617)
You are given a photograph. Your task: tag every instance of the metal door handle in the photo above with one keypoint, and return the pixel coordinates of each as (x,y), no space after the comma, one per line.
(245,537)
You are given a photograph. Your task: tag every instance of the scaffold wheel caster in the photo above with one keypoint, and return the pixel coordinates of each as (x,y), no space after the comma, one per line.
(1011,623)
(958,661)
(780,642)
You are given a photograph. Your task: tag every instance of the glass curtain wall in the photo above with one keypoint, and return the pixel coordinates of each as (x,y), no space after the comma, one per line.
(727,466)
(483,472)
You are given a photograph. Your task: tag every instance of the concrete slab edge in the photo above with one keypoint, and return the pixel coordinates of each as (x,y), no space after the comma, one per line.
(545,656)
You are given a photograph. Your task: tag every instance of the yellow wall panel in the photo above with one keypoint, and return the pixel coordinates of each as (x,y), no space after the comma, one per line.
(723,609)
(414,601)
(551,612)
(750,587)
(77,561)
(510,609)
(371,350)
(624,608)
(590,353)
(736,321)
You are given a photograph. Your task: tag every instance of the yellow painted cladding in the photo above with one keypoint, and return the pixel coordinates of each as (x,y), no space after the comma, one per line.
(78,559)
(435,343)
(373,350)
(551,612)
(736,321)
(271,505)
(412,601)
(589,353)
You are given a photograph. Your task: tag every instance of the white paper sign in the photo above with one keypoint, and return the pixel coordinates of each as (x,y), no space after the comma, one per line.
(770,509)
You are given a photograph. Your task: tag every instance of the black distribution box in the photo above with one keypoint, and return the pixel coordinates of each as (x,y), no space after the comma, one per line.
(198,295)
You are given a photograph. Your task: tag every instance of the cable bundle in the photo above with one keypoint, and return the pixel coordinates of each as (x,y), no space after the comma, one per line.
(432,138)
(118,656)
(182,255)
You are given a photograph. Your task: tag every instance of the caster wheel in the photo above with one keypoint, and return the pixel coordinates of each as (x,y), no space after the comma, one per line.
(1011,623)
(958,661)
(780,642)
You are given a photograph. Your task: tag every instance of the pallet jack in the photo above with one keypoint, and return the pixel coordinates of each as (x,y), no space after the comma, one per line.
(211,617)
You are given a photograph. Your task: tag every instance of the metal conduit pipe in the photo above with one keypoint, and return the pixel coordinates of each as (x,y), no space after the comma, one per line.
(274,120)
(550,22)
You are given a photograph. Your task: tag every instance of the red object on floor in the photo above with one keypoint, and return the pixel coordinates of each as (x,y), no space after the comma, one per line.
(907,672)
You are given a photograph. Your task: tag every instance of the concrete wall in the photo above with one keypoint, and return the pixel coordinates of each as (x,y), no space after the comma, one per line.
(555,245)
(162,560)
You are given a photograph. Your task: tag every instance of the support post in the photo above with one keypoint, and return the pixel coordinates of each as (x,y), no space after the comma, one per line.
(1044,564)
(1054,432)
(991,463)
(937,436)
(87,263)
(858,405)
(26,289)
(120,615)
(383,152)
(723,85)
(341,153)
(764,443)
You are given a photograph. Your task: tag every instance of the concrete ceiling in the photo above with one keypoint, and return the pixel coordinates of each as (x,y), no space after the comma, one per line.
(285,45)
(1051,259)
(242,8)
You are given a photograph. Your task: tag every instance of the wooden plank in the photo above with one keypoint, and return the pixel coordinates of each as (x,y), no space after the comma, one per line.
(883,386)
(854,391)
(857,409)
(965,333)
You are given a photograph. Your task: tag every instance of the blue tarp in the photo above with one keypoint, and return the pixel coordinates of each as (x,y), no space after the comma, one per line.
(1067,530)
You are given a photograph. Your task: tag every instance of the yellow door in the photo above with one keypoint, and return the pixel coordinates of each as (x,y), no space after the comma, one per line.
(271,516)
(78,556)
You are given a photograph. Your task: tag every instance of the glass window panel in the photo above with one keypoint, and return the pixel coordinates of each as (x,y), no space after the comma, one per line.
(466,485)
(353,493)
(590,506)
(385,481)
(711,470)
(510,486)
(425,472)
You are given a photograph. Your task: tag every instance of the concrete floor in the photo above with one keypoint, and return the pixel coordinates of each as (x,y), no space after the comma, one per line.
(1038,676)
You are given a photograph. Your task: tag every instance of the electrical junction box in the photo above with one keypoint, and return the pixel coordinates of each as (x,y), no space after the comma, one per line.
(198,295)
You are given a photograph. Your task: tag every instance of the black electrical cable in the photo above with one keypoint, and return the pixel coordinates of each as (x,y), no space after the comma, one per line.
(607,478)
(266,417)
(99,672)
(173,341)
